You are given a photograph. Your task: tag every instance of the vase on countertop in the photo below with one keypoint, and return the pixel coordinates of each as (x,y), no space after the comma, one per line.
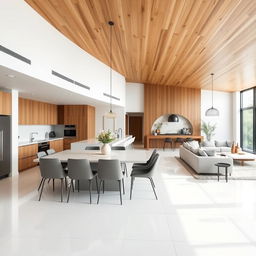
(105,149)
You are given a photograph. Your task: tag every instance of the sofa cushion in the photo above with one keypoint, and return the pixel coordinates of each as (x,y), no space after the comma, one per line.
(210,152)
(193,143)
(217,149)
(201,152)
(220,143)
(229,143)
(225,149)
(208,144)
(186,145)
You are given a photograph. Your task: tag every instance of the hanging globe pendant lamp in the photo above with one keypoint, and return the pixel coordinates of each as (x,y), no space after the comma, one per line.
(212,111)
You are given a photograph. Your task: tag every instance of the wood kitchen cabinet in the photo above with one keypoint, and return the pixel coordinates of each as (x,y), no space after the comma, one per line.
(67,142)
(57,145)
(35,112)
(5,103)
(26,156)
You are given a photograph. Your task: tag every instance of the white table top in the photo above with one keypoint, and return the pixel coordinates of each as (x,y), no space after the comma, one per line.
(238,156)
(128,156)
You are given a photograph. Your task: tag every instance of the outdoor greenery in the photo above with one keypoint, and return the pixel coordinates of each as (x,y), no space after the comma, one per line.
(106,137)
(247,129)
(208,129)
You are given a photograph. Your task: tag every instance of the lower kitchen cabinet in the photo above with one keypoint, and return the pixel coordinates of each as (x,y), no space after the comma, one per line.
(68,141)
(57,145)
(26,156)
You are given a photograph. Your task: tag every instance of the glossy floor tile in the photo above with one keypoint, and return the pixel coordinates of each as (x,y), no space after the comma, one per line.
(191,218)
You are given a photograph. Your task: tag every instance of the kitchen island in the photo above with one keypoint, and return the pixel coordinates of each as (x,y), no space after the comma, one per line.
(81,145)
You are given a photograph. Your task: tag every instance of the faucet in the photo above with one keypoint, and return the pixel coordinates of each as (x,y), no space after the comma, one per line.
(119,133)
(32,136)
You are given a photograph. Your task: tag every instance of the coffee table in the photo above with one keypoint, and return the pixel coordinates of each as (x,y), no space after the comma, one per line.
(242,157)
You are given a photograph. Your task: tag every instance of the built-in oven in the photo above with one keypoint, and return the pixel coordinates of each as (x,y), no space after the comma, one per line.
(70,131)
(43,146)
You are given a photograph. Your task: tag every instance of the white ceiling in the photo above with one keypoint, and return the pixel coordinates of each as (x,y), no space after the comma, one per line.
(35,89)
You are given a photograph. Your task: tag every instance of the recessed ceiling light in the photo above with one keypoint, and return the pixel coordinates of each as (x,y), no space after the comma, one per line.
(11,75)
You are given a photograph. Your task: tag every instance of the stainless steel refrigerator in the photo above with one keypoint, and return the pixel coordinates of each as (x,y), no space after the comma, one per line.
(5,146)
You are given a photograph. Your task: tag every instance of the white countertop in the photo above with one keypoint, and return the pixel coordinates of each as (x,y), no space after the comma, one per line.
(26,143)
(80,145)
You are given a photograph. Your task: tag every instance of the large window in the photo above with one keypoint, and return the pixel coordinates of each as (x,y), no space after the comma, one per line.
(248,111)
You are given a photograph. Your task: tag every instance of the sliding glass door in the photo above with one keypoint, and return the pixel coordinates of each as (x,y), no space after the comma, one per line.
(247,120)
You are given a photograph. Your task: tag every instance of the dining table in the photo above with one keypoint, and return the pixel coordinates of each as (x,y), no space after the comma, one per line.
(128,156)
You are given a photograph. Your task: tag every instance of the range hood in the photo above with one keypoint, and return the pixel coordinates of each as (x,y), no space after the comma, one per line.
(173,118)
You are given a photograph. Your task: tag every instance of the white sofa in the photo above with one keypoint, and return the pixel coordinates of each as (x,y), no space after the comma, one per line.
(204,164)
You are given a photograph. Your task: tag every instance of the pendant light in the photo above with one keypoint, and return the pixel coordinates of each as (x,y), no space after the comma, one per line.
(110,114)
(212,111)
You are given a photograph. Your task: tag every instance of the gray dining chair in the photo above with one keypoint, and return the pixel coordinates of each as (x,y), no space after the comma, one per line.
(92,148)
(80,169)
(144,172)
(50,151)
(123,164)
(110,170)
(148,161)
(51,169)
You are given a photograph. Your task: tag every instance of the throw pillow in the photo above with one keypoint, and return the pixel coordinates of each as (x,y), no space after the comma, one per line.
(193,143)
(201,152)
(229,143)
(220,143)
(208,144)
(210,152)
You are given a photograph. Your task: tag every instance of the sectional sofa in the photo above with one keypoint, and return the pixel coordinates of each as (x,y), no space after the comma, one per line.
(203,159)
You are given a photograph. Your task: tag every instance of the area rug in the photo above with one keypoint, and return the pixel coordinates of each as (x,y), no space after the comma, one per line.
(246,172)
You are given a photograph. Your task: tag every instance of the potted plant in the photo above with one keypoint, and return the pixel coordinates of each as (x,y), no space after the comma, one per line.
(106,137)
(158,127)
(208,129)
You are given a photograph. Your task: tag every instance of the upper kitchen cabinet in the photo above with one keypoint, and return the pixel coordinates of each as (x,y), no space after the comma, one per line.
(36,112)
(5,103)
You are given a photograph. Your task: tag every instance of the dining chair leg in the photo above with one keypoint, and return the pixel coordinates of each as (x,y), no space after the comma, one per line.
(42,187)
(69,189)
(72,185)
(132,180)
(164,146)
(152,184)
(126,171)
(61,186)
(66,183)
(99,192)
(97,185)
(78,186)
(49,180)
(120,191)
(123,185)
(52,184)
(40,184)
(90,190)
(103,187)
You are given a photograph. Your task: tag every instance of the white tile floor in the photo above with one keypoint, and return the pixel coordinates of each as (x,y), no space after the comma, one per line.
(191,217)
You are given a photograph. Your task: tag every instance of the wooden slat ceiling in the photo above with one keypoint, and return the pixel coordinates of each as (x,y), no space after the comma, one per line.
(167,42)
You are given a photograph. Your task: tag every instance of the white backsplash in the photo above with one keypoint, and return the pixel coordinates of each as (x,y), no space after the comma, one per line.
(42,130)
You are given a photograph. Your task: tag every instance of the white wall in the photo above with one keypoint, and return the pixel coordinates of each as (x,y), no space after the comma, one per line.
(119,122)
(14,133)
(223,101)
(24,31)
(134,97)
(236,116)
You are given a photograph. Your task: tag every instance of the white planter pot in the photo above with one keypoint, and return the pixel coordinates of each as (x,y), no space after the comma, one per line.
(105,149)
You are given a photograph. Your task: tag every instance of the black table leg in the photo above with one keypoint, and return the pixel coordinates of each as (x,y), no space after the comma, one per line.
(218,173)
(226,173)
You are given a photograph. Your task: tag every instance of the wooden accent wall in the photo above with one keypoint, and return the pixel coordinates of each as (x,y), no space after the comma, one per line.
(5,103)
(161,100)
